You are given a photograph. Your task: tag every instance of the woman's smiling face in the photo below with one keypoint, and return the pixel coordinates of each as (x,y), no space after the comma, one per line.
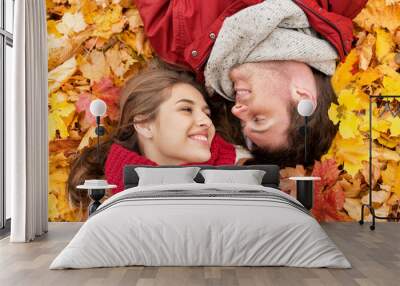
(182,131)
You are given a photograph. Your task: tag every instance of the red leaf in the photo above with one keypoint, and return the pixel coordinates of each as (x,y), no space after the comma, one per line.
(328,195)
(106,91)
(83,105)
(103,85)
(327,204)
(328,172)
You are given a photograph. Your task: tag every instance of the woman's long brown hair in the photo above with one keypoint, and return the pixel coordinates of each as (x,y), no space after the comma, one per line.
(142,96)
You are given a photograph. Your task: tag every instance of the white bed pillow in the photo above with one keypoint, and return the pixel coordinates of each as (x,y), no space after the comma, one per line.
(163,176)
(248,177)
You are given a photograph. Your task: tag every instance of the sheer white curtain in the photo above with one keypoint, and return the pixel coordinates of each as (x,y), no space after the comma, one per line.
(26,124)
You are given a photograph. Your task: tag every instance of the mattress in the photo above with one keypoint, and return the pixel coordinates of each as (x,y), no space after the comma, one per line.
(201,225)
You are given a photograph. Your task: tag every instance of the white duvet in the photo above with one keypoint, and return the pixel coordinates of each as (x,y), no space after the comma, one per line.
(266,229)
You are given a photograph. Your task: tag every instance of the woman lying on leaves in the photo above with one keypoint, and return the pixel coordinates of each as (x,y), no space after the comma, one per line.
(164,120)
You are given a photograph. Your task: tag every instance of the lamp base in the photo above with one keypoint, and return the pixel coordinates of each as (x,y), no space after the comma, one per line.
(96,195)
(305,190)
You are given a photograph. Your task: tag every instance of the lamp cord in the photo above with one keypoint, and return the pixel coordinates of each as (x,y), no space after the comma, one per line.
(98,138)
(305,140)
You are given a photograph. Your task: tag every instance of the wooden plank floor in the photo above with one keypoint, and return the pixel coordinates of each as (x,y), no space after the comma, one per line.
(375,257)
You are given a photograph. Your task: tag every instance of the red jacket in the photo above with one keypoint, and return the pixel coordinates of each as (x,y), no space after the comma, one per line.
(182,32)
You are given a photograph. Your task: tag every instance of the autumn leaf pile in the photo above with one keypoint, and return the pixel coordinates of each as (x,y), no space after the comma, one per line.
(94,46)
(371,68)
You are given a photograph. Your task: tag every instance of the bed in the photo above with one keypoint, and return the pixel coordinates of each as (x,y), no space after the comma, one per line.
(201,223)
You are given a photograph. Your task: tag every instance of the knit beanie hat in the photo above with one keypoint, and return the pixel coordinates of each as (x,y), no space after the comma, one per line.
(271,30)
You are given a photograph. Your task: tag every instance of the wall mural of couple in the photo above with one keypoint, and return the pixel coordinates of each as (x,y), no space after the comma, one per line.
(236,101)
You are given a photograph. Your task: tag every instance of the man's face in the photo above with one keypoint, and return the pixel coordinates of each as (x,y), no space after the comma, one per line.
(262,100)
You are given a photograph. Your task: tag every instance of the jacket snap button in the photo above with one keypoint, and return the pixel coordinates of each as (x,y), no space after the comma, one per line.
(194,53)
(212,36)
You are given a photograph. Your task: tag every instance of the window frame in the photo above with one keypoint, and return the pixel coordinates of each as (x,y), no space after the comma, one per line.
(6,39)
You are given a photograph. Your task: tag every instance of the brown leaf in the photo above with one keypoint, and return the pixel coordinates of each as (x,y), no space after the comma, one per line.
(366,51)
(62,146)
(95,67)
(59,55)
(377,13)
(351,188)
(396,37)
(376,172)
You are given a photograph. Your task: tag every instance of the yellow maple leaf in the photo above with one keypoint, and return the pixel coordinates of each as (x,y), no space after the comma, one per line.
(147,50)
(348,127)
(352,99)
(57,160)
(89,135)
(89,9)
(134,20)
(105,21)
(57,98)
(391,177)
(140,39)
(392,60)
(94,67)
(334,113)
(56,123)
(71,23)
(52,29)
(377,14)
(388,141)
(119,60)
(349,102)
(128,38)
(368,76)
(391,85)
(52,205)
(61,74)
(350,152)
(344,72)
(394,126)
(66,111)
(388,71)
(58,180)
(379,125)
(384,43)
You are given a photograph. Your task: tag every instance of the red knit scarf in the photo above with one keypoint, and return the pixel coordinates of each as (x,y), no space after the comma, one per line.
(222,153)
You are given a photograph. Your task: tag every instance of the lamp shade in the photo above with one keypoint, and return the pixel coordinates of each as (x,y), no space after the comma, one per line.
(305,107)
(98,107)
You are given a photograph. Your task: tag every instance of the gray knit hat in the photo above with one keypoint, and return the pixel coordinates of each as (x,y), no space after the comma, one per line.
(271,30)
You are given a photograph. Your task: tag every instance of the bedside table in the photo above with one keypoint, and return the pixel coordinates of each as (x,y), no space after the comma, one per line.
(305,190)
